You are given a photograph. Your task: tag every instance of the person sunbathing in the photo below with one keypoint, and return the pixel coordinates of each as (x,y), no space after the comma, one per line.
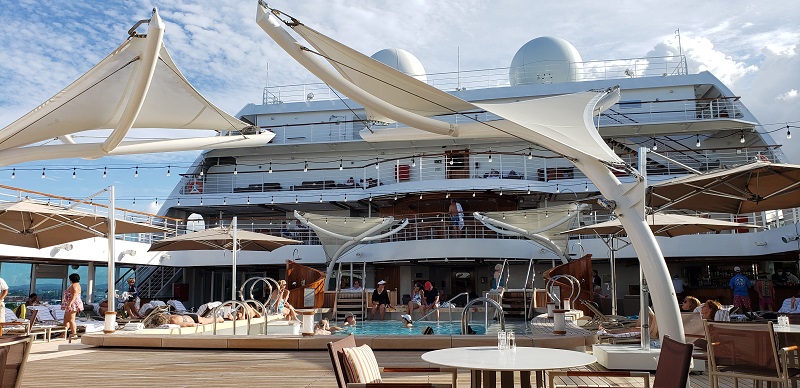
(180,320)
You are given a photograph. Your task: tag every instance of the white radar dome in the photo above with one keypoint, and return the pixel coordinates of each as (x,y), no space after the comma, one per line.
(403,61)
(545,60)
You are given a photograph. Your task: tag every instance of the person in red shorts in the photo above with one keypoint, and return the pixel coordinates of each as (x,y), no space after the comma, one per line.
(741,290)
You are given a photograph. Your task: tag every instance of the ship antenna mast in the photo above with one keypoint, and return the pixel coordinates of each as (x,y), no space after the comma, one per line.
(680,52)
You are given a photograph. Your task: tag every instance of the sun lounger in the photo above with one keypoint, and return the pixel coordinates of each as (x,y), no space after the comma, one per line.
(607,321)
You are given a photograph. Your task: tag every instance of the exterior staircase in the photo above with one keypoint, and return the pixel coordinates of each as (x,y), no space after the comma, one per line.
(155,281)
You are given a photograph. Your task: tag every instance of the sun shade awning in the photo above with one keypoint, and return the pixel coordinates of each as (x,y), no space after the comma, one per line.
(663,224)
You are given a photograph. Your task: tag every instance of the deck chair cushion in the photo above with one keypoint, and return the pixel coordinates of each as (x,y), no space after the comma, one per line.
(361,365)
(44,314)
(177,305)
(10,316)
(57,312)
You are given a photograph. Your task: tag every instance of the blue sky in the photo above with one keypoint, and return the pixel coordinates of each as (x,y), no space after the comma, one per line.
(753,48)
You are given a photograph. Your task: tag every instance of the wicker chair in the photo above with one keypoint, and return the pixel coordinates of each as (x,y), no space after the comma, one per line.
(14,353)
(336,351)
(672,370)
(747,351)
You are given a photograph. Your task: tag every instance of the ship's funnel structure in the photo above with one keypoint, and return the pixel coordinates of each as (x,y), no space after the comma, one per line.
(564,124)
(136,86)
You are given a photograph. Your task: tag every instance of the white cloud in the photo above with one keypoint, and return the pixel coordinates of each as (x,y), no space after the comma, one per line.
(788,96)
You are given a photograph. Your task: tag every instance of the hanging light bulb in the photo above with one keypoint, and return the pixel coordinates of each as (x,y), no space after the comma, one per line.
(586,186)
(156,201)
(134,200)
(295,199)
(248,199)
(420,195)
(235,170)
(557,189)
(326,220)
(448,195)
(13,173)
(224,200)
(504,216)
(345,197)
(169,168)
(529,190)
(320,198)
(104,172)
(501,192)
(370,197)
(698,142)
(414,161)
(788,133)
(741,139)
(341,167)
(473,194)
(530,154)
(201,201)
(179,201)
(451,161)
(43,169)
(201,172)
(305,166)
(655,146)
(270,167)
(272,200)
(377,164)
(395,196)
(136,173)
(73,173)
(490,156)
(365,220)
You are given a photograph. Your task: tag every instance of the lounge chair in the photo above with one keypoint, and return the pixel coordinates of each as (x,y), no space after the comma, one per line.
(360,362)
(607,321)
(14,353)
(672,370)
(16,325)
(177,306)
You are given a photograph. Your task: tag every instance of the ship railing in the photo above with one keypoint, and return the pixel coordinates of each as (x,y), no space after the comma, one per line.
(510,169)
(499,77)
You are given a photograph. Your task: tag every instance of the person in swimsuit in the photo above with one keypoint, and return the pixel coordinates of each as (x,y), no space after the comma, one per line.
(130,301)
(72,304)
(283,307)
(416,300)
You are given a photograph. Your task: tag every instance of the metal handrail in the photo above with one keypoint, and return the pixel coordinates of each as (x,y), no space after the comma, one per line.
(485,300)
(263,312)
(231,303)
(528,280)
(574,284)
(440,304)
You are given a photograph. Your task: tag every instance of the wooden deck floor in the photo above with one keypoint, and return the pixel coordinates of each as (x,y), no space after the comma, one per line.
(122,367)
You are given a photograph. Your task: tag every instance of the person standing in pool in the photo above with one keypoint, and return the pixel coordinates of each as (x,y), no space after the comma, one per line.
(380,299)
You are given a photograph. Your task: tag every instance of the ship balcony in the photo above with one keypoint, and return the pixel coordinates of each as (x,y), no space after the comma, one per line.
(310,181)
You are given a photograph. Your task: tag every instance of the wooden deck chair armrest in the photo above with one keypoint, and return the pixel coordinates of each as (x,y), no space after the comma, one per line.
(792,348)
(397,385)
(452,371)
(559,373)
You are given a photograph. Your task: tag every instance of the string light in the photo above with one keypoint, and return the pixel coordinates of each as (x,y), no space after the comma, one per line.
(655,146)
(134,200)
(370,197)
(179,201)
(557,189)
(270,167)
(473,194)
(156,201)
(13,173)
(345,197)
(248,199)
(320,198)
(501,192)
(741,139)
(414,161)
(490,155)
(224,200)
(73,173)
(586,186)
(104,172)
(272,200)
(201,200)
(788,133)
(395,196)
(305,166)
(377,164)
(530,154)
(529,190)
(448,195)
(43,169)
(420,195)
(341,167)
(698,142)
(201,172)
(235,171)
(295,199)
(169,168)
(451,160)
(136,173)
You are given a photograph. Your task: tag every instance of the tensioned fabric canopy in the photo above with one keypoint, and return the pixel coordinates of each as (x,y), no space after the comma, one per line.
(39,225)
(547,116)
(753,187)
(665,224)
(344,226)
(98,98)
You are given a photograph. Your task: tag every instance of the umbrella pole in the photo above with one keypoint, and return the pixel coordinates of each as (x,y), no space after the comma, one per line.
(233,257)
(109,325)
(613,277)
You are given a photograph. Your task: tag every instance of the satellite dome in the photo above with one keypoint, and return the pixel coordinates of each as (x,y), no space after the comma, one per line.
(545,60)
(403,61)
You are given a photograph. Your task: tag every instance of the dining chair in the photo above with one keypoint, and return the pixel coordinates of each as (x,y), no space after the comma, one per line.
(747,351)
(362,358)
(14,353)
(672,370)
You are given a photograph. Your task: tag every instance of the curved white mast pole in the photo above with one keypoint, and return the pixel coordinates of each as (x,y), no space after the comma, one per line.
(147,66)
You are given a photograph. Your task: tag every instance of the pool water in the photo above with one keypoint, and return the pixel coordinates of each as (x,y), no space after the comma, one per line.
(445,328)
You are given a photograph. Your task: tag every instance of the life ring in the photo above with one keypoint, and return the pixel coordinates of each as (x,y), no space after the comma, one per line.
(194,187)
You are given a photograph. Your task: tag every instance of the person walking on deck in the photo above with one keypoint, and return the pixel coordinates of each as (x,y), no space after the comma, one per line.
(741,290)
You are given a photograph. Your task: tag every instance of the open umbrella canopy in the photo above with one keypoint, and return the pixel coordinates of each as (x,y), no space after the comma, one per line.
(662,224)
(37,225)
(748,188)
(222,238)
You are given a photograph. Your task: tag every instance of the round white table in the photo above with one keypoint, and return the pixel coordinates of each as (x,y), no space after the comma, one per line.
(487,360)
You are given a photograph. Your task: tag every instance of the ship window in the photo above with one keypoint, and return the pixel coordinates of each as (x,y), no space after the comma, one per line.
(630,104)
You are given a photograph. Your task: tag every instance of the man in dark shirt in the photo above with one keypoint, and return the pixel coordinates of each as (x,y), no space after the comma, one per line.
(431,302)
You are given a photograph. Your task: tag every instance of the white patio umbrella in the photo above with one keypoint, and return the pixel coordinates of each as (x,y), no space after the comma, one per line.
(223,238)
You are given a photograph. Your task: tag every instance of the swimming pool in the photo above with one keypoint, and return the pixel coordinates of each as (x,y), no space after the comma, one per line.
(442,327)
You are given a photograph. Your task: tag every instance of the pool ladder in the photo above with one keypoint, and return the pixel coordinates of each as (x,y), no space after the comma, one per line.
(485,300)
